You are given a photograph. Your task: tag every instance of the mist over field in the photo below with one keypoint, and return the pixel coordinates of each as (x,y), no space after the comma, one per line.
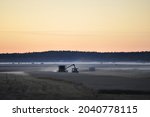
(109,80)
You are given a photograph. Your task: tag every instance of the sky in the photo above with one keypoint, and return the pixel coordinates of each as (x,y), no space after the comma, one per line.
(77,25)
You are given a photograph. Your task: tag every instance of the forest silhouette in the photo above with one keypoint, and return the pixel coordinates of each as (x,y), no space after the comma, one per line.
(68,56)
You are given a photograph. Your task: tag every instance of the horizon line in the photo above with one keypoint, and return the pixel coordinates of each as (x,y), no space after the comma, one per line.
(76,51)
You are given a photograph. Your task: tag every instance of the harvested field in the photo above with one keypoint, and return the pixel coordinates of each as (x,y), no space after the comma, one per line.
(109,81)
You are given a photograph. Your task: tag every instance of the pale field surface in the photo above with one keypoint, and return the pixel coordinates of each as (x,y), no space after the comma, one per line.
(18,87)
(42,81)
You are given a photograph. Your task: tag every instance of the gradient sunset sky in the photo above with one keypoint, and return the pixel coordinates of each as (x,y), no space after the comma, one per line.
(85,25)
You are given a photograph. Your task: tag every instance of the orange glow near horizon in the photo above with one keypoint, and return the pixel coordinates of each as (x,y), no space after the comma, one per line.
(82,25)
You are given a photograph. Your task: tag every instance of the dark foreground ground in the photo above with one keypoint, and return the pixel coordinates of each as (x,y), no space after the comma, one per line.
(109,81)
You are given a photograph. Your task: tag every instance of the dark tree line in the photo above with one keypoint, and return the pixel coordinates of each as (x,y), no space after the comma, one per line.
(54,56)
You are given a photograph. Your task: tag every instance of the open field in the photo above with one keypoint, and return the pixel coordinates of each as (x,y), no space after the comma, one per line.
(41,81)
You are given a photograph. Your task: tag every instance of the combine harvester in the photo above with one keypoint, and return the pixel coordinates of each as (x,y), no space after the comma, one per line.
(63,68)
